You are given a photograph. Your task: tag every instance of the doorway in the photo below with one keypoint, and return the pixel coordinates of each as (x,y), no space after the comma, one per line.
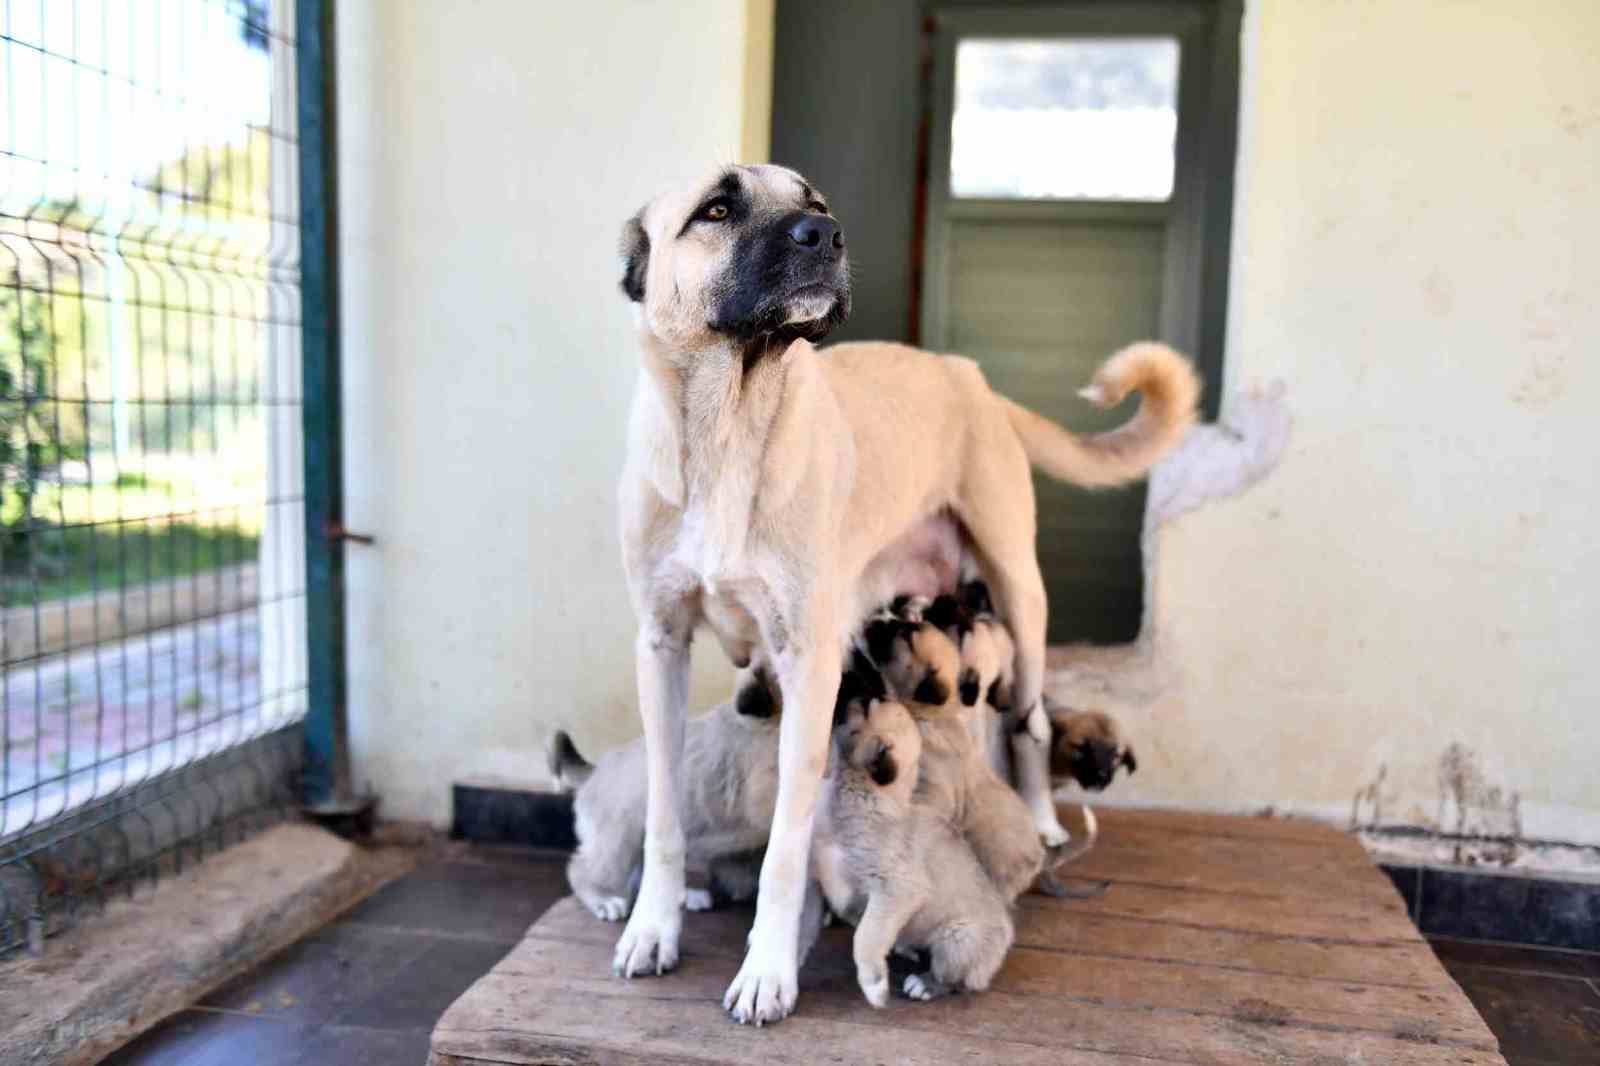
(1011,243)
(1064,175)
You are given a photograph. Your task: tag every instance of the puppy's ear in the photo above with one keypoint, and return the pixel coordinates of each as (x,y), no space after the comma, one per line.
(997,696)
(1129,761)
(969,687)
(635,256)
(944,612)
(933,691)
(755,697)
(877,758)
(975,597)
(880,636)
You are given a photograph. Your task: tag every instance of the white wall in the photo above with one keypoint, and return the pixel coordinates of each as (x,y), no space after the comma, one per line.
(490,153)
(1417,255)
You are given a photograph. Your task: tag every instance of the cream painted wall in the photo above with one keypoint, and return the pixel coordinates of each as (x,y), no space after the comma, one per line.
(1414,258)
(490,153)
(1417,253)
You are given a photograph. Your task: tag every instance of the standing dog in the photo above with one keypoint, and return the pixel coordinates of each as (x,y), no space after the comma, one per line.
(773,492)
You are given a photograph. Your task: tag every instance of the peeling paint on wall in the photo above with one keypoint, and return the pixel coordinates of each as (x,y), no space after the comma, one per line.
(1215,462)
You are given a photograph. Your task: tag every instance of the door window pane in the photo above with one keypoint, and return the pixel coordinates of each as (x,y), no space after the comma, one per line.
(1087,119)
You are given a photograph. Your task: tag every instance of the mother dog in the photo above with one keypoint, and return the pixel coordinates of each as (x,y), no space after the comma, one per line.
(776,493)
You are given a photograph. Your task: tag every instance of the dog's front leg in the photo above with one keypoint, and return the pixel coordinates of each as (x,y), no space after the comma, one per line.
(876,933)
(651,936)
(808,675)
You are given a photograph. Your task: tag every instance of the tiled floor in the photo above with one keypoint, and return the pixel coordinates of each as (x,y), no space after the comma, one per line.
(1543,1004)
(366,990)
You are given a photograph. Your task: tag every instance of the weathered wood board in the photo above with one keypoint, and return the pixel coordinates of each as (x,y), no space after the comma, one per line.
(1218,941)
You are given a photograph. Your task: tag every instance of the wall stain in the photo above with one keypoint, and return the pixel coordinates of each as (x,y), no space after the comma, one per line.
(1484,819)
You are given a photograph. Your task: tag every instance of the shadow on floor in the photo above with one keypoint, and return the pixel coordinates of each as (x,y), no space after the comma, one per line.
(366,990)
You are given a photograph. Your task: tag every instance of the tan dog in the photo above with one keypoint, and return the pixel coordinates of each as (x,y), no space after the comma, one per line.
(773,492)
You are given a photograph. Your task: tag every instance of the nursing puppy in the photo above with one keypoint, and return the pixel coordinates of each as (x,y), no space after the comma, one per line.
(988,659)
(730,757)
(772,492)
(956,782)
(896,869)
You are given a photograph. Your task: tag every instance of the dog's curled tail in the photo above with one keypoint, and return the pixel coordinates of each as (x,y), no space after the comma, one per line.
(1170,391)
(569,769)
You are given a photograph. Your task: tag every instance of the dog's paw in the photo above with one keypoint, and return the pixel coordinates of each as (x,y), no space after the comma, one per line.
(764,989)
(698,899)
(923,986)
(608,908)
(650,941)
(875,986)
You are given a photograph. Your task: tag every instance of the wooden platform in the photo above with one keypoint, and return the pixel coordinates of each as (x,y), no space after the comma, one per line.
(1217,940)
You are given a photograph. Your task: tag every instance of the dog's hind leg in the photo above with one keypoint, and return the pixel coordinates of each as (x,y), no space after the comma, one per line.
(1003,535)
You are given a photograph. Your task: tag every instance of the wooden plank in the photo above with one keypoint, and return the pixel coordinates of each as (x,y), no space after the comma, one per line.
(680,1018)
(1202,950)
(1122,983)
(1061,930)
(1261,828)
(1336,921)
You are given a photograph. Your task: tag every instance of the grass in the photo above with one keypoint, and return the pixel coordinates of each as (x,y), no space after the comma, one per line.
(118,532)
(80,559)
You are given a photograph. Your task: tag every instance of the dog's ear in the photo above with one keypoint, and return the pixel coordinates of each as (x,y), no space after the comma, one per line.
(1129,761)
(932,690)
(975,597)
(969,687)
(635,256)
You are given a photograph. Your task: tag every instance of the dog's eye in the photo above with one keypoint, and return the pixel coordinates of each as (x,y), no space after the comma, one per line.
(715,211)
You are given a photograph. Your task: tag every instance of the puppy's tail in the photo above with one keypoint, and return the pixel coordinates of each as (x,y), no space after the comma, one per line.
(1170,390)
(569,769)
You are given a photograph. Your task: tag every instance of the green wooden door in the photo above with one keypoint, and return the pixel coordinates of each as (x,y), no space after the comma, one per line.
(1049,202)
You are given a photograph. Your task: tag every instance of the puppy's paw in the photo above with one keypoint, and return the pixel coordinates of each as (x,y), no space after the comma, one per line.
(874,985)
(698,899)
(766,986)
(608,908)
(1051,832)
(923,986)
(650,941)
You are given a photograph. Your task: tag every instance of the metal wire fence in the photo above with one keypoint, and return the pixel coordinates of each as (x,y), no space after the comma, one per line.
(152,604)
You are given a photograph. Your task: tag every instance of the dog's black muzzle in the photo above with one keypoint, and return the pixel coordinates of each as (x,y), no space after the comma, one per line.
(793,263)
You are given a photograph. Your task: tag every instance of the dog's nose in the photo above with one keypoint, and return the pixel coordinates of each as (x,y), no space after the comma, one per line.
(817,231)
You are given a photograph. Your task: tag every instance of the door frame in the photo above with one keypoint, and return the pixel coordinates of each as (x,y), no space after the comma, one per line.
(1194,288)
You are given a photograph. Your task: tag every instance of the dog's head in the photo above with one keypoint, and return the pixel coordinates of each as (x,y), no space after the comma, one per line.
(879,739)
(750,255)
(917,661)
(1087,746)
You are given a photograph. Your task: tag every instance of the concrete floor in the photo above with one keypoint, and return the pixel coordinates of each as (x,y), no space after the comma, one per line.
(367,990)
